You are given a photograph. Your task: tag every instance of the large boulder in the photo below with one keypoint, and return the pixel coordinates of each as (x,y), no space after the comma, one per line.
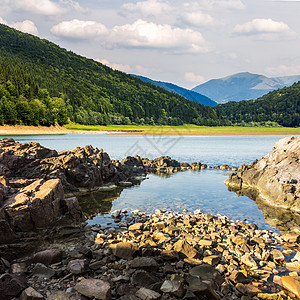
(275,177)
(38,205)
(86,167)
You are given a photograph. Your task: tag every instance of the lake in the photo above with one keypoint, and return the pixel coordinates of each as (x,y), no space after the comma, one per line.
(185,190)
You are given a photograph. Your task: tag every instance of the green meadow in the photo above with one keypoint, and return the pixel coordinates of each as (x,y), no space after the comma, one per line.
(186,130)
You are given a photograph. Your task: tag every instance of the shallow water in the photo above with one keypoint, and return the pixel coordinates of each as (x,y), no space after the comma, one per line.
(185,190)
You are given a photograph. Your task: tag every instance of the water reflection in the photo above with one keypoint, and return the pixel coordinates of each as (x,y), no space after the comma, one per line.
(184,190)
(98,202)
(279,218)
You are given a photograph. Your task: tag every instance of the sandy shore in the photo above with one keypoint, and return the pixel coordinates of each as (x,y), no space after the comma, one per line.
(23,130)
(32,130)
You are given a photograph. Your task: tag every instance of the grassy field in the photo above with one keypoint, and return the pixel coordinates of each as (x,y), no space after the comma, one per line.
(185,130)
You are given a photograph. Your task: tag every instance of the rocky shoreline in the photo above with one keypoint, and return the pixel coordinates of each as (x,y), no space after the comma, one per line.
(160,256)
(38,186)
(48,252)
(275,178)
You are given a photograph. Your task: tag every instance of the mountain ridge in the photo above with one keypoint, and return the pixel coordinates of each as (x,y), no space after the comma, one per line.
(243,86)
(188,94)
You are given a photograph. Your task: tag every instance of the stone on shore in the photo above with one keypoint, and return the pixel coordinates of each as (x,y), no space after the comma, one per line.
(292,284)
(31,294)
(48,257)
(146,294)
(186,249)
(11,285)
(78,266)
(136,226)
(247,289)
(124,250)
(98,289)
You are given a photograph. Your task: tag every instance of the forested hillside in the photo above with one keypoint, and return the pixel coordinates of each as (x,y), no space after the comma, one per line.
(22,102)
(41,83)
(281,106)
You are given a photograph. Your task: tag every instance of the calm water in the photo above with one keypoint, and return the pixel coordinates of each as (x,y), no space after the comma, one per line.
(212,150)
(190,190)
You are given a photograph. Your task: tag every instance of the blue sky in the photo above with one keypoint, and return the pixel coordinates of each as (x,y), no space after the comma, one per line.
(184,42)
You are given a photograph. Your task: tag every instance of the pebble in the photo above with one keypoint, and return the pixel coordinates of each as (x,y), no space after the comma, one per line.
(167,256)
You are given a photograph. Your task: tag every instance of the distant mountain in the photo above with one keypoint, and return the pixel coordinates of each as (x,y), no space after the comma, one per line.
(188,94)
(242,86)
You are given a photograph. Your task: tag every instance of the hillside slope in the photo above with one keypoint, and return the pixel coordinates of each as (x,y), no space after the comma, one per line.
(281,106)
(242,86)
(92,92)
(188,94)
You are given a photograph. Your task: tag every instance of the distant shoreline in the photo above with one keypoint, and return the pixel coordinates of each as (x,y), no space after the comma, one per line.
(187,130)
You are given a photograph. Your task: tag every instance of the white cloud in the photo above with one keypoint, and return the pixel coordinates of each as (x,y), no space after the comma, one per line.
(26,26)
(261,26)
(2,21)
(78,29)
(143,34)
(146,8)
(198,18)
(216,4)
(43,7)
(141,70)
(192,77)
(46,7)
(284,70)
(120,67)
(138,69)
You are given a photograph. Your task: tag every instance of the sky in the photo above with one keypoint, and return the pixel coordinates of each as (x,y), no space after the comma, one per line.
(180,41)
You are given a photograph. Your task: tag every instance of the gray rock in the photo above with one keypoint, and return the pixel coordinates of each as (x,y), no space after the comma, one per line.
(144,279)
(43,271)
(11,285)
(31,294)
(94,288)
(145,263)
(247,289)
(19,268)
(204,272)
(174,287)
(48,257)
(78,266)
(116,214)
(146,294)
(61,295)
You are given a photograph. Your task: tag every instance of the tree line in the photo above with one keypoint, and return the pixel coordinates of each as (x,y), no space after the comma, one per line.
(280,107)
